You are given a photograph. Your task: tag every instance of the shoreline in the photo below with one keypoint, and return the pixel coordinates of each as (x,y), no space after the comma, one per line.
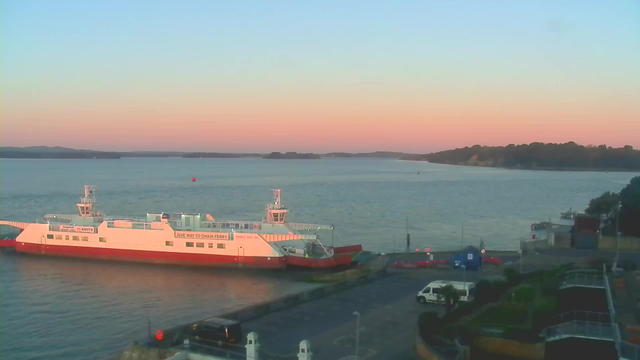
(531,169)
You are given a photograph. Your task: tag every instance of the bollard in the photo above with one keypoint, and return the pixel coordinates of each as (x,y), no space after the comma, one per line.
(186,347)
(253,346)
(305,351)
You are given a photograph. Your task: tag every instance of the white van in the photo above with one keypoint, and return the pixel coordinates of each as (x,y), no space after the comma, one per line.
(466,291)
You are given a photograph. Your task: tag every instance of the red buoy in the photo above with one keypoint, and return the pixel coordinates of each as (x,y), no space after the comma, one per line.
(193,179)
(159,334)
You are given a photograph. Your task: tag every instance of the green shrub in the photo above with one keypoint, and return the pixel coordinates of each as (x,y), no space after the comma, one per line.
(512,275)
(525,294)
(550,285)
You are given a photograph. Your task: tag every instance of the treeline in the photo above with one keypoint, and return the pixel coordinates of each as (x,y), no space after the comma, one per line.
(10,154)
(624,206)
(540,156)
(292,155)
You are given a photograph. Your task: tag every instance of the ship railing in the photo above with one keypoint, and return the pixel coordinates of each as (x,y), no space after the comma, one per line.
(300,226)
(60,216)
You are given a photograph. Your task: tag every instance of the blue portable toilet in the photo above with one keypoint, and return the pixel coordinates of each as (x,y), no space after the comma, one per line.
(470,257)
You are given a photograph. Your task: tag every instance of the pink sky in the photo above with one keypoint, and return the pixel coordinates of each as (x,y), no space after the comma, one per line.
(309,78)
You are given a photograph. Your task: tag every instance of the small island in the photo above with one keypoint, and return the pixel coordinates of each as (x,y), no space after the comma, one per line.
(539,156)
(292,155)
(219,155)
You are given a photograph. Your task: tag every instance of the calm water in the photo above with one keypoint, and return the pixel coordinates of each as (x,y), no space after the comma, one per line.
(65,309)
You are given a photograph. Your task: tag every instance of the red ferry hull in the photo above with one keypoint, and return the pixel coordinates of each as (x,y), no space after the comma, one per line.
(158,257)
(336,260)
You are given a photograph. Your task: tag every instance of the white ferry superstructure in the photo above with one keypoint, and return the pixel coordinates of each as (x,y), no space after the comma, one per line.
(179,238)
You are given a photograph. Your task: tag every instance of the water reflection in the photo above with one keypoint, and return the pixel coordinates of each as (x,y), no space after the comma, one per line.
(113,300)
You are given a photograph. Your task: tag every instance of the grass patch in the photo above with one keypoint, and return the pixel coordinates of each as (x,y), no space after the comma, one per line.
(525,294)
(501,315)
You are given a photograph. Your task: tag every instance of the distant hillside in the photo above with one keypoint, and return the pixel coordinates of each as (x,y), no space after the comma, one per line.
(219,155)
(568,156)
(152,154)
(376,154)
(292,155)
(56,152)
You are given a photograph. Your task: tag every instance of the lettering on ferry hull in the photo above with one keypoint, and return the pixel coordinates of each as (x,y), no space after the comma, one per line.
(83,229)
(199,235)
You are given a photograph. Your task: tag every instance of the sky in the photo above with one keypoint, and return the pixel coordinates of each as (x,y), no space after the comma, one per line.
(314,76)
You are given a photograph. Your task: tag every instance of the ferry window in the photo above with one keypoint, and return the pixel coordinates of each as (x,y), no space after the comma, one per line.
(187,221)
(110,224)
(75,238)
(220,246)
(200,245)
(210,245)
(101,239)
(58,237)
(84,238)
(246,226)
(66,237)
(168,243)
(189,244)
(157,217)
(49,236)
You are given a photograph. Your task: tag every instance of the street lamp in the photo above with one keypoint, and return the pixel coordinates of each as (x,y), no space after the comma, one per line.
(357,314)
(617,233)
(464,277)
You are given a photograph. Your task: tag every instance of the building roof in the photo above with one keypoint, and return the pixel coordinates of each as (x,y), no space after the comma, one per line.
(472,249)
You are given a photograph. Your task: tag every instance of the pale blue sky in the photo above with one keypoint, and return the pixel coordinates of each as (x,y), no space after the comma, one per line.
(191,54)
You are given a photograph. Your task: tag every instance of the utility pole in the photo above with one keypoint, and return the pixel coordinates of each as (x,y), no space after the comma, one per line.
(521,256)
(408,236)
(394,243)
(462,236)
(332,235)
(617,233)
(357,314)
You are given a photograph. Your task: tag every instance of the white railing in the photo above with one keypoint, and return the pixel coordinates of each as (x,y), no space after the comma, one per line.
(612,311)
(583,279)
(585,329)
(628,351)
(588,316)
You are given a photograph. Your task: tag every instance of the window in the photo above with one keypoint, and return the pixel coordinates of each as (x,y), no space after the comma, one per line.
(200,245)
(221,246)
(66,237)
(85,238)
(437,291)
(49,236)
(75,238)
(58,237)
(110,224)
(210,245)
(101,239)
(189,244)
(426,291)
(462,292)
(187,221)
(168,243)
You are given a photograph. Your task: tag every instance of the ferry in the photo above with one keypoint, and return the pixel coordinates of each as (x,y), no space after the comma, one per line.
(181,238)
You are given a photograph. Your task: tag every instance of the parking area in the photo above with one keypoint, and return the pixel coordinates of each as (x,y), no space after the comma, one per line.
(388,314)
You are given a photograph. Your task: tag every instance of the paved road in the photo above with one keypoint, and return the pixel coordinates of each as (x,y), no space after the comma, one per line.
(388,317)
